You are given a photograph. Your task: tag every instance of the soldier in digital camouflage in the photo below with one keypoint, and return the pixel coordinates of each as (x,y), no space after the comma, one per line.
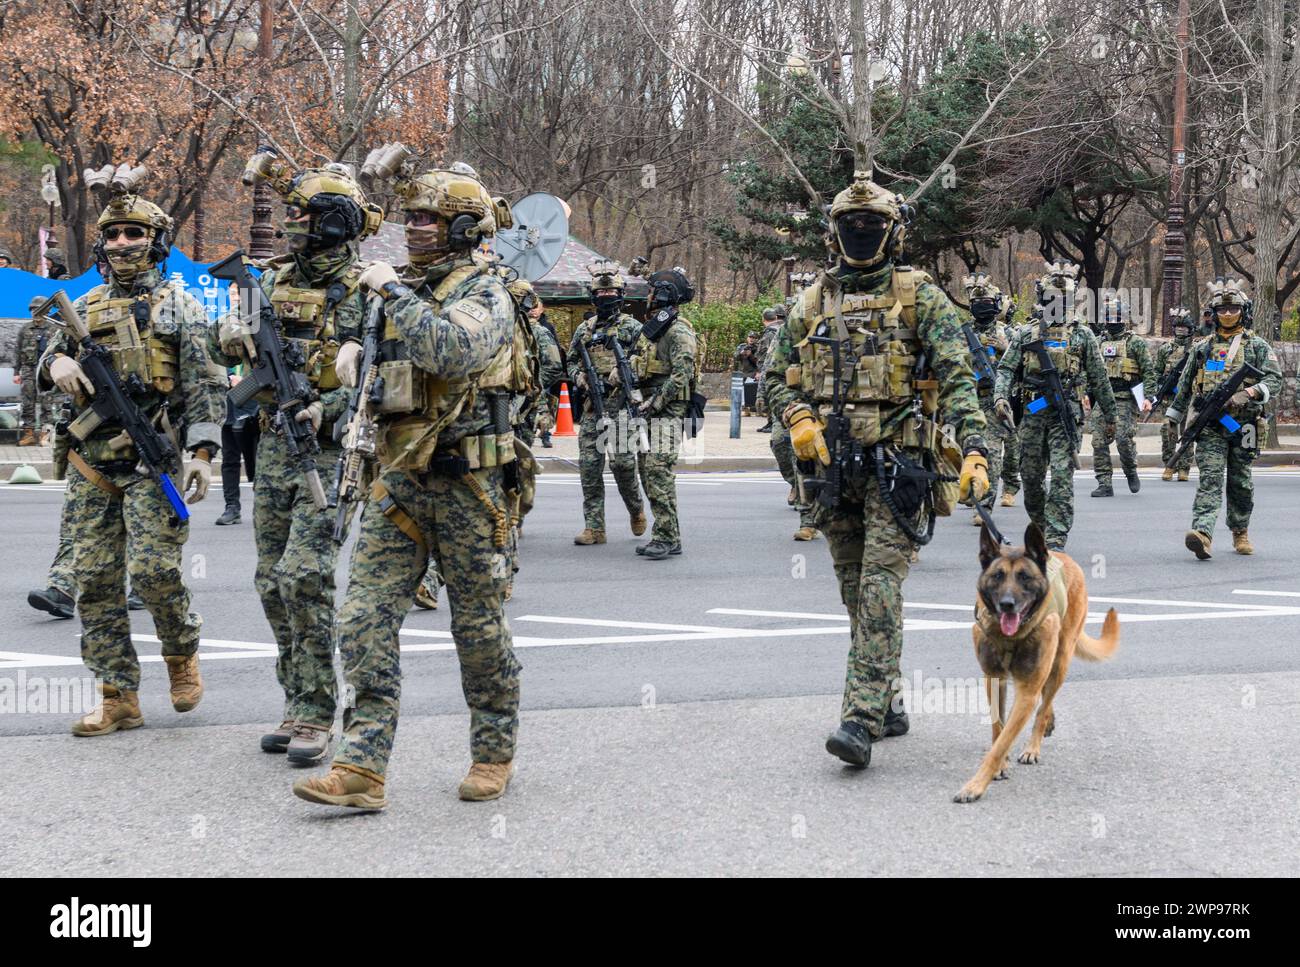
(119,520)
(902,358)
(319,308)
(1072,350)
(447,357)
(1226,448)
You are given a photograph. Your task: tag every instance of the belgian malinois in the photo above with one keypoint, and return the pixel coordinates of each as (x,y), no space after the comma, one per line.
(1029,617)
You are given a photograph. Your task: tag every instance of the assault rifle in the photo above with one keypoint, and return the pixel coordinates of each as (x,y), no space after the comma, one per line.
(1053,395)
(1214,411)
(357,430)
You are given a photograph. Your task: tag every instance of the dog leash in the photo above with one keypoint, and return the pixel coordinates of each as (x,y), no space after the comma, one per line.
(988,522)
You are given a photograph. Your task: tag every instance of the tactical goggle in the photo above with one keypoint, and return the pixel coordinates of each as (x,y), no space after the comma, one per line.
(419,219)
(295,212)
(133,233)
(1228,313)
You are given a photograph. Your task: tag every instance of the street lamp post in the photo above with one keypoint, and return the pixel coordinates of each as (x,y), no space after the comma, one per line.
(262,232)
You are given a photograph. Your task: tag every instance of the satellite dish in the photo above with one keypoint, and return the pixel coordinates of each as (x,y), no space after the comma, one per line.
(537,240)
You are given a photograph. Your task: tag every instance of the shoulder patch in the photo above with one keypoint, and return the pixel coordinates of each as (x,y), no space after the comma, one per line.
(466,313)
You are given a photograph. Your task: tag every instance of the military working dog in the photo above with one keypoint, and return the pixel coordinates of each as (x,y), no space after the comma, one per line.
(1029,617)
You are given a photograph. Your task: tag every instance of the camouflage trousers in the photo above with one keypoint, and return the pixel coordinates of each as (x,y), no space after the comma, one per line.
(1002,447)
(655,469)
(36,409)
(136,531)
(1124,438)
(62,575)
(296,555)
(1011,464)
(785,461)
(593,446)
(386,568)
(1219,459)
(1169,434)
(872,557)
(1043,448)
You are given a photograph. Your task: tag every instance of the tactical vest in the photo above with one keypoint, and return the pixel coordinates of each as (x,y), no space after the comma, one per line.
(602,357)
(651,367)
(1120,365)
(1056,340)
(146,350)
(418,405)
(884,344)
(1218,366)
(303,318)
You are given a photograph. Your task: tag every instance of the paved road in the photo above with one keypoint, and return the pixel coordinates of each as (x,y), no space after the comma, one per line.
(675,712)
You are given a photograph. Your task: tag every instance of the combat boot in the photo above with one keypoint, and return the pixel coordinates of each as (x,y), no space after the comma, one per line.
(1009,499)
(1167,475)
(344,786)
(425,600)
(658,550)
(546,440)
(1183,475)
(117,710)
(896,723)
(1104,489)
(791,497)
(133,600)
(186,682)
(228,516)
(806,534)
(1199,544)
(29,440)
(54,601)
(1241,542)
(277,740)
(486,780)
(308,744)
(1134,481)
(638,523)
(852,743)
(590,536)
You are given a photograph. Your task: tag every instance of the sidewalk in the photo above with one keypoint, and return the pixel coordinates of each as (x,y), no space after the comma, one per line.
(714,450)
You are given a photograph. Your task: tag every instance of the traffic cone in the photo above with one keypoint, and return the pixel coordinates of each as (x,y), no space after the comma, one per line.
(564,417)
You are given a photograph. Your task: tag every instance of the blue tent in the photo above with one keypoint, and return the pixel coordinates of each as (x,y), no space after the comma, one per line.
(18,288)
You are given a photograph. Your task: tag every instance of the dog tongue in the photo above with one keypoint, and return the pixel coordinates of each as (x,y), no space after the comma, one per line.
(1009,622)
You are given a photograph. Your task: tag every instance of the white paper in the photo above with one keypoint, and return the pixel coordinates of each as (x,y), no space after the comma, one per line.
(1139,393)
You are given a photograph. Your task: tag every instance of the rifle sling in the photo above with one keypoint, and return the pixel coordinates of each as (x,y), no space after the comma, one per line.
(93,475)
(400,518)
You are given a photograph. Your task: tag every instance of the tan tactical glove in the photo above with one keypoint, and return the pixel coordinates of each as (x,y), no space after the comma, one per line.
(377,276)
(198,474)
(230,334)
(806,434)
(347,362)
(974,480)
(69,376)
(313,411)
(1003,409)
(1242,397)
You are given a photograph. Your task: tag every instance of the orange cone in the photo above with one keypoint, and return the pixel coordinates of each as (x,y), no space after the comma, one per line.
(564,417)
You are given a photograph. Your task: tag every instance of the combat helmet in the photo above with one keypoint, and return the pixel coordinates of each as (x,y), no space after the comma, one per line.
(447,213)
(605,274)
(984,297)
(1225,295)
(330,195)
(1180,318)
(1055,291)
(125,209)
(867,223)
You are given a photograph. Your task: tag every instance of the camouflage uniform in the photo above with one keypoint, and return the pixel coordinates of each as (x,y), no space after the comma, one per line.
(1043,443)
(135,529)
(1220,454)
(780,442)
(665,372)
(1128,362)
(296,553)
(994,337)
(534,412)
(37,408)
(1168,356)
(453,324)
(593,440)
(870,551)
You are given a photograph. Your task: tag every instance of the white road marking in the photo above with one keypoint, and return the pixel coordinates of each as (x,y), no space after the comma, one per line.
(1269,594)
